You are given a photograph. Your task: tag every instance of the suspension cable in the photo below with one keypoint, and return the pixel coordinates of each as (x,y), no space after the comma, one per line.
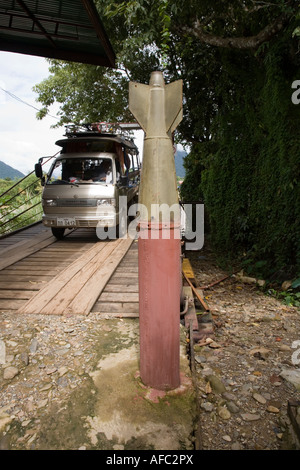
(16,195)
(25,202)
(22,179)
(4,203)
(26,210)
(16,225)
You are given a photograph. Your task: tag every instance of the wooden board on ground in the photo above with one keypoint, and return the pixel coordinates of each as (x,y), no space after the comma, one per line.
(22,234)
(117,309)
(188,270)
(120,297)
(24,248)
(76,289)
(20,285)
(190,316)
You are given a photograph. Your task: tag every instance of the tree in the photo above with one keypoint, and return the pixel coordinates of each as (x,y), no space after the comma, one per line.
(159,34)
(238,61)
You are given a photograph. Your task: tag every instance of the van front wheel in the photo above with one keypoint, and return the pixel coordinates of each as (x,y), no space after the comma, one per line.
(58,232)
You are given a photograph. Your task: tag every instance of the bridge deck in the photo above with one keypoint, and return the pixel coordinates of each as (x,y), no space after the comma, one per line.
(78,274)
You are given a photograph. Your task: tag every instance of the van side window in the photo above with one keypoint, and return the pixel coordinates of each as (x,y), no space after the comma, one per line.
(127,161)
(118,170)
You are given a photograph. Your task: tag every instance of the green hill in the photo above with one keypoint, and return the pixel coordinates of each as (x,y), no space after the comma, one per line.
(7,171)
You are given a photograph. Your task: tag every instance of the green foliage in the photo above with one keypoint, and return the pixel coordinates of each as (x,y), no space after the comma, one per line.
(250,183)
(288,297)
(71,83)
(16,206)
(238,114)
(191,190)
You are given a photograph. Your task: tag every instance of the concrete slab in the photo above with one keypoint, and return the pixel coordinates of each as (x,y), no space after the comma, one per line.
(129,415)
(80,388)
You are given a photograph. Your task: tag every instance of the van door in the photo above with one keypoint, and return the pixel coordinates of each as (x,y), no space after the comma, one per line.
(133,171)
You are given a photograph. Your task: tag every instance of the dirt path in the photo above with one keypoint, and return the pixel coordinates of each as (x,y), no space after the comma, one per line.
(251,370)
(48,363)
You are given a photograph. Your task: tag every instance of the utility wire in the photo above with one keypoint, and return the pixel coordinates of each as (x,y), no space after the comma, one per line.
(24,102)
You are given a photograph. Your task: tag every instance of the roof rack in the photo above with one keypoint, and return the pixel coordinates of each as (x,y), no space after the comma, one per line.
(112,128)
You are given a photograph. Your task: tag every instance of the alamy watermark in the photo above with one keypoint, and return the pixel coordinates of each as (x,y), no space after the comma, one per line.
(296,95)
(177,222)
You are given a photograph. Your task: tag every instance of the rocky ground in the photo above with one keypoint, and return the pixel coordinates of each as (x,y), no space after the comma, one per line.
(72,383)
(46,362)
(249,369)
(246,370)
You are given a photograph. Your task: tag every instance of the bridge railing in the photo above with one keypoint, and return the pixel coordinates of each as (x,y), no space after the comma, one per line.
(21,204)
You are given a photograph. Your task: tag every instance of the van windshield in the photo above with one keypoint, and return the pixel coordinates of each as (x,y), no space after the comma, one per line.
(81,171)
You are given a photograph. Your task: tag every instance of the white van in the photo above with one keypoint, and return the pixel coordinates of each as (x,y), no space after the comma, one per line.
(86,180)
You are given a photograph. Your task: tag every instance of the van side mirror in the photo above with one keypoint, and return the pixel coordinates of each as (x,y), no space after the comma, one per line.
(38,170)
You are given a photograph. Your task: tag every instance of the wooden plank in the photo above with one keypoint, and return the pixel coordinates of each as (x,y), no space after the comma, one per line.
(120,288)
(121,308)
(29,240)
(188,270)
(127,270)
(119,297)
(67,247)
(77,288)
(197,293)
(85,299)
(124,281)
(45,257)
(62,250)
(42,298)
(67,295)
(28,266)
(21,234)
(121,273)
(19,271)
(51,264)
(14,278)
(15,294)
(27,285)
(122,314)
(20,250)
(190,317)
(10,304)
(131,255)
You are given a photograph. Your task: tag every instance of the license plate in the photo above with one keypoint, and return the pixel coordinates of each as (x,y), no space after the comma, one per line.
(66,222)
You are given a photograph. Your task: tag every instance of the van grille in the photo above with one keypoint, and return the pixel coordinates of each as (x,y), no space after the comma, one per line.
(87,223)
(76,202)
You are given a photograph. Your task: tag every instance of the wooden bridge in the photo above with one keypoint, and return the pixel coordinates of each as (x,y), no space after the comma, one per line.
(77,275)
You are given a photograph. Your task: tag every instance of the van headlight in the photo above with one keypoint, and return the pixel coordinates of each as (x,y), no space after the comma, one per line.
(49,202)
(106,202)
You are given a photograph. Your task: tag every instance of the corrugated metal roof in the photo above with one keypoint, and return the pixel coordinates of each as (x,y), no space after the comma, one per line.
(61,29)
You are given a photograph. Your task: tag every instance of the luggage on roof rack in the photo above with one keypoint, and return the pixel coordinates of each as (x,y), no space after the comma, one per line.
(115,128)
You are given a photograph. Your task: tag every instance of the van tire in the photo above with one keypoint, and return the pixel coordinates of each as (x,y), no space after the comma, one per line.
(58,232)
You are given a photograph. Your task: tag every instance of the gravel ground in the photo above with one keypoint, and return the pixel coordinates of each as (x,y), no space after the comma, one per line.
(46,363)
(249,369)
(245,372)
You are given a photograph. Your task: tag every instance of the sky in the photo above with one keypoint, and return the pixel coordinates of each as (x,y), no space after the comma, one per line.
(23,138)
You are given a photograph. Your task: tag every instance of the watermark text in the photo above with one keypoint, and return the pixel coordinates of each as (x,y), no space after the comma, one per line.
(161,221)
(296,95)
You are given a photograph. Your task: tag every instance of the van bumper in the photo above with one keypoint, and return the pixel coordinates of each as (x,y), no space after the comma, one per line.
(76,221)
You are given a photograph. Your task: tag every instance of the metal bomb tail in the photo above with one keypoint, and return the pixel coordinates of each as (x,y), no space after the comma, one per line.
(158,109)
